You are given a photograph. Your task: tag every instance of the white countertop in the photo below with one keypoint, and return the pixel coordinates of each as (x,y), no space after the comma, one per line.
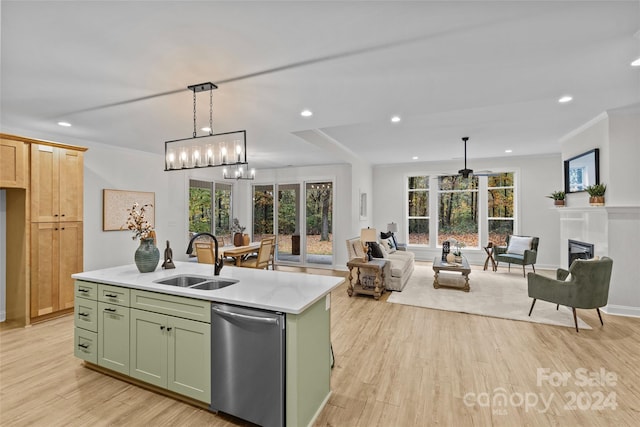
(270,290)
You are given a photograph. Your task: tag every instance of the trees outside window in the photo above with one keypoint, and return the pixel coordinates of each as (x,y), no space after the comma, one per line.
(418,206)
(500,203)
(262,211)
(458,209)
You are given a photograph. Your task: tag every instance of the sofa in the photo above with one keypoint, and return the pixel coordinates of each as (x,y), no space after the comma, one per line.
(396,272)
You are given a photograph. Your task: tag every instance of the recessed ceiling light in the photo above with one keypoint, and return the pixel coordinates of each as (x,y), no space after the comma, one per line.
(65,124)
(306,113)
(395,119)
(206,129)
(508,151)
(415,157)
(636,63)
(564,99)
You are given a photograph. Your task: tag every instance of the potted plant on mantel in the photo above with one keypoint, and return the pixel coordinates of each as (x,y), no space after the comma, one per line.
(558,198)
(596,194)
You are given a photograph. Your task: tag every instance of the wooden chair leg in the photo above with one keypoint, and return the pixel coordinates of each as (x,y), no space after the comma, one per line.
(509,267)
(575,318)
(523,273)
(557,307)
(532,304)
(601,322)
(534,267)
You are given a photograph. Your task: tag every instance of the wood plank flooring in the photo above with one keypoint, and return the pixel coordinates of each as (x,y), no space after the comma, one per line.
(395,366)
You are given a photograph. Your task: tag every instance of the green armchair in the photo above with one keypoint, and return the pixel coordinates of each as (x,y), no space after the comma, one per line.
(587,287)
(521,250)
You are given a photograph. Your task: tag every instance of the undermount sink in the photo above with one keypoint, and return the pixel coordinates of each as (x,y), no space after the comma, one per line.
(182,280)
(214,284)
(196,282)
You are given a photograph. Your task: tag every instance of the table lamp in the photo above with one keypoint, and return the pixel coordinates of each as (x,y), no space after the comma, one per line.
(368,236)
(392,227)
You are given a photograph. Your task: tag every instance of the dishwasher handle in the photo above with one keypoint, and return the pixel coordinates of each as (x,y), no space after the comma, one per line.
(244,316)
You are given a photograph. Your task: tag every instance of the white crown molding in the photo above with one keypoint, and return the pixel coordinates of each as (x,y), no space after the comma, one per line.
(582,128)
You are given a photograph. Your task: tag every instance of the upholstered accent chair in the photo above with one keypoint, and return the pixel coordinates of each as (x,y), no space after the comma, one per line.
(584,285)
(521,250)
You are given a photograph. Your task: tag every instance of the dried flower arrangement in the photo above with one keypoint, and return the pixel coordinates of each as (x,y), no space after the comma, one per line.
(137,222)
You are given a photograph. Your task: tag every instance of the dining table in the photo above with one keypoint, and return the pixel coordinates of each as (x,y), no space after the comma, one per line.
(239,252)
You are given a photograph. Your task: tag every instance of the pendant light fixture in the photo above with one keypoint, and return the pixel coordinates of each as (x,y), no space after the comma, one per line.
(228,149)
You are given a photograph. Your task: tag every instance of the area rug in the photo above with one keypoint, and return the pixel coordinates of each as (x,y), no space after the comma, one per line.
(500,294)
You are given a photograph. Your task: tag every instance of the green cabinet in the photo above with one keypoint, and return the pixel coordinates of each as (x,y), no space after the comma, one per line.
(172,353)
(85,342)
(113,337)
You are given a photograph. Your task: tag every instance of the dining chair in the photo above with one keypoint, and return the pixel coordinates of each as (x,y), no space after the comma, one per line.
(205,253)
(264,255)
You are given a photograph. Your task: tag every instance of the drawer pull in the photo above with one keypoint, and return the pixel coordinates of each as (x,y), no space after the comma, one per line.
(162,328)
(83,314)
(111,295)
(111,310)
(85,346)
(169,328)
(83,290)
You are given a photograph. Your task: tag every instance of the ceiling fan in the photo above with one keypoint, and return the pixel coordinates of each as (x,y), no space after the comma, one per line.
(466,172)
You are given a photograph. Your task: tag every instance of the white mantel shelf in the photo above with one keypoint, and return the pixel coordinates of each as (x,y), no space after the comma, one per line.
(270,290)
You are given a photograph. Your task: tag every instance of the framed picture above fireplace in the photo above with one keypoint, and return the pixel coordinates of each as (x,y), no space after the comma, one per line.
(582,171)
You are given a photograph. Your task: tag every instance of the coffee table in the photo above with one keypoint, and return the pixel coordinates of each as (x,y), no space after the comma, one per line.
(463,267)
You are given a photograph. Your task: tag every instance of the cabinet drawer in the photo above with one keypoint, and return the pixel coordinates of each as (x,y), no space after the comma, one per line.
(187,308)
(113,295)
(85,314)
(86,345)
(86,290)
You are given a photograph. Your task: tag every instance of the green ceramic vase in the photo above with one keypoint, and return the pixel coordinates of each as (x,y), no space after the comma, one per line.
(147,256)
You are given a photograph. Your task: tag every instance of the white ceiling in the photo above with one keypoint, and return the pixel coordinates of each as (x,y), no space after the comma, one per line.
(490,70)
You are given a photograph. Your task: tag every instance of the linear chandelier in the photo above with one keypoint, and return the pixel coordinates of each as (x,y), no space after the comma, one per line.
(240,173)
(212,150)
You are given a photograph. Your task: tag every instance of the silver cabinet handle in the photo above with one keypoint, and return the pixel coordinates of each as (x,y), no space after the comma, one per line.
(245,317)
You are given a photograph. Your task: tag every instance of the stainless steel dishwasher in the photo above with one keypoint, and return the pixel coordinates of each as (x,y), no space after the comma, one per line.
(248,364)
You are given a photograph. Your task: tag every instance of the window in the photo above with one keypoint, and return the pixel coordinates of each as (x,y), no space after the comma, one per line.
(418,202)
(500,203)
(222,211)
(262,211)
(458,209)
(209,210)
(473,210)
(200,206)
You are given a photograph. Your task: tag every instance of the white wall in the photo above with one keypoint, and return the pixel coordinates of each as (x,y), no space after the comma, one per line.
(617,134)
(537,177)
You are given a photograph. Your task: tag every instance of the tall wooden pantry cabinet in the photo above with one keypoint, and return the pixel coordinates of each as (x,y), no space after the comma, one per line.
(50,248)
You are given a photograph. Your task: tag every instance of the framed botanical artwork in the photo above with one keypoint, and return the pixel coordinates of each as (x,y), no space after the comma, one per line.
(116,202)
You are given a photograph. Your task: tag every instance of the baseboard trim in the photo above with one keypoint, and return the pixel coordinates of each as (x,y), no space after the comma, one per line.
(320,408)
(621,310)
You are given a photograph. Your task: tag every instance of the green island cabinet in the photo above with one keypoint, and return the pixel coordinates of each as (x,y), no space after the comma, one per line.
(163,340)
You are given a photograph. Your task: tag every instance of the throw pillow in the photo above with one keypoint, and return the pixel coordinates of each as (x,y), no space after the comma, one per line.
(384,235)
(388,245)
(518,244)
(383,250)
(376,252)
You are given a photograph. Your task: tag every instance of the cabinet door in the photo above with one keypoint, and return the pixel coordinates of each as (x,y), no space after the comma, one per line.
(13,164)
(113,337)
(189,347)
(70,261)
(148,347)
(44,268)
(45,181)
(70,189)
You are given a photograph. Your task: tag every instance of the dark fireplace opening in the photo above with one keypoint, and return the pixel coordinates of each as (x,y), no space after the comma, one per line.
(579,250)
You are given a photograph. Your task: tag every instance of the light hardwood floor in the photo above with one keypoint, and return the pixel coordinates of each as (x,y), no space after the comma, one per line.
(395,366)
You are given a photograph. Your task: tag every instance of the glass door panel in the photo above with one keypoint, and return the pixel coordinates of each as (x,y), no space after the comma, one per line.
(222,213)
(288,244)
(262,211)
(319,222)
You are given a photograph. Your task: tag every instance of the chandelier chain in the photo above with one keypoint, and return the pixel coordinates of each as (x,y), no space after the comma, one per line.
(194,113)
(211,111)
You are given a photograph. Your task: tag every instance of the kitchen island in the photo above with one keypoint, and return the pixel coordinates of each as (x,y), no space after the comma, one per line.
(159,335)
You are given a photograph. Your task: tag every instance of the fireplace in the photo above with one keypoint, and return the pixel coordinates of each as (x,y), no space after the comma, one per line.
(579,250)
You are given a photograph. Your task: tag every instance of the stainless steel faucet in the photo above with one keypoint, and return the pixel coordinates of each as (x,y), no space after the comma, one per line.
(218,263)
